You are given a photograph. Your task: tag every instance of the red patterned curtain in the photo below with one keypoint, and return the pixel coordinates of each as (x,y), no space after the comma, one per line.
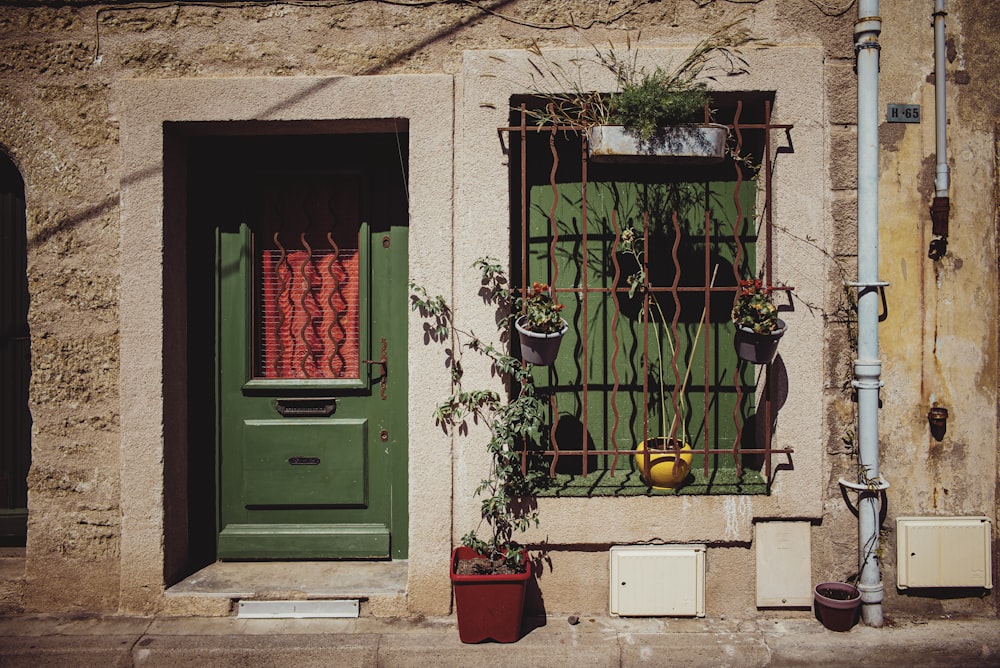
(310,313)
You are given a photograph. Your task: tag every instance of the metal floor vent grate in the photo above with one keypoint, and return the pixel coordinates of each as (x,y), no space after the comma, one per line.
(297,609)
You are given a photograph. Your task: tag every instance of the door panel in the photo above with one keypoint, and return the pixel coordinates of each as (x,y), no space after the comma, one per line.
(312,450)
(306,463)
(305,541)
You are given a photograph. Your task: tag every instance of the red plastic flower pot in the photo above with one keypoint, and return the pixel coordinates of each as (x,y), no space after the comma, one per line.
(489,607)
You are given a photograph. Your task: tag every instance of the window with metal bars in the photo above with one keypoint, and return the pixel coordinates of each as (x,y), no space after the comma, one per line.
(646,257)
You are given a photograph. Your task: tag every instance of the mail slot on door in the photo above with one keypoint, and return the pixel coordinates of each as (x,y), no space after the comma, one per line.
(311,407)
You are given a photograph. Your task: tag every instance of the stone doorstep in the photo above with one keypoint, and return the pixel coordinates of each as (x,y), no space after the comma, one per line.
(380,586)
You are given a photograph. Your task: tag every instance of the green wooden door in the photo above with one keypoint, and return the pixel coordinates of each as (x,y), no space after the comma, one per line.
(311,357)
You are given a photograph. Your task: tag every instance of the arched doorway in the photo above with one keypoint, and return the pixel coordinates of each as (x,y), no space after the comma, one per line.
(15,358)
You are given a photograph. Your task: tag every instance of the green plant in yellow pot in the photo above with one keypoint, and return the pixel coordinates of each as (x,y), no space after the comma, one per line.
(664,461)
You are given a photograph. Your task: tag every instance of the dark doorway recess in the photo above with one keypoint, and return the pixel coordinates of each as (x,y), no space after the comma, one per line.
(15,359)
(209,180)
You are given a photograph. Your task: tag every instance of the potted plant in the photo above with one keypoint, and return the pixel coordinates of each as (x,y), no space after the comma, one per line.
(758,327)
(659,114)
(540,328)
(837,605)
(665,461)
(490,573)
(664,115)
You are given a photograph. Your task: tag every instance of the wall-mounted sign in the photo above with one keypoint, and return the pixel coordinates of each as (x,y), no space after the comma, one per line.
(903,113)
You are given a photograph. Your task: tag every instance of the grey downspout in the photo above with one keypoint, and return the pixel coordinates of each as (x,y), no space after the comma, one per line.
(940,206)
(867,366)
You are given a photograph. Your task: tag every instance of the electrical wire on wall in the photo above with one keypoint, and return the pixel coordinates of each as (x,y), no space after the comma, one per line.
(483,8)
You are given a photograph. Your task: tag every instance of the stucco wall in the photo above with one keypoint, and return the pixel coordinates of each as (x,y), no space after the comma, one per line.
(70,76)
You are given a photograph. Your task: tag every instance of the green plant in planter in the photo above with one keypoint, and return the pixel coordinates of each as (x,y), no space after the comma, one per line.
(658,99)
(754,308)
(642,101)
(542,314)
(507,492)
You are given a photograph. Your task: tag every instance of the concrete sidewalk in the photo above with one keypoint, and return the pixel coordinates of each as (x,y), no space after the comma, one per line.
(29,640)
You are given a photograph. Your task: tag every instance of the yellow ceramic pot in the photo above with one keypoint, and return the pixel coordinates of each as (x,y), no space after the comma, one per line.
(666,471)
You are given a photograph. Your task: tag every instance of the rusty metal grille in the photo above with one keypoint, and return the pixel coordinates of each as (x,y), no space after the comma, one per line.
(649,353)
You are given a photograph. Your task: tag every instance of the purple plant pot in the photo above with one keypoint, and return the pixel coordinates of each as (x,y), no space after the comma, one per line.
(537,348)
(837,605)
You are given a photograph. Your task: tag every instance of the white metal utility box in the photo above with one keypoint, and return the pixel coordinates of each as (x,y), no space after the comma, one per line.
(658,580)
(943,552)
(784,564)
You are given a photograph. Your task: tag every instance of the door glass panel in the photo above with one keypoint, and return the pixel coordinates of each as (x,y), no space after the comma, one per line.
(307,310)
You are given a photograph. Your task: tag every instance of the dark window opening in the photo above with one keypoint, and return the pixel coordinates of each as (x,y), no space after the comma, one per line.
(308,279)
(15,359)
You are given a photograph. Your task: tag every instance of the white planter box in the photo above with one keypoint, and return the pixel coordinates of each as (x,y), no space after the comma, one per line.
(703,144)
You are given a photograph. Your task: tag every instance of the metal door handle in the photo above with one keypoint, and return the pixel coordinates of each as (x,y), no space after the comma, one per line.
(380,363)
(384,363)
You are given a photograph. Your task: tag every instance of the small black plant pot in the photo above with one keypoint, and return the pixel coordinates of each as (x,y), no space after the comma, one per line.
(837,605)
(758,348)
(537,348)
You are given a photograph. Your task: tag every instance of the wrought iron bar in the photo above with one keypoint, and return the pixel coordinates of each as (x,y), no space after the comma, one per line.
(614,337)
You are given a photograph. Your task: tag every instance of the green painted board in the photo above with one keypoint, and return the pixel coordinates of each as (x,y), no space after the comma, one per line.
(305,462)
(304,541)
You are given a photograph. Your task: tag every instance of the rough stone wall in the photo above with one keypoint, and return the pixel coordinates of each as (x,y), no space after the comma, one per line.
(58,64)
(55,124)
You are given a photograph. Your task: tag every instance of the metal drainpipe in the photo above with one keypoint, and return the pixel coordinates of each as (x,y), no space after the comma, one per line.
(940,206)
(868,367)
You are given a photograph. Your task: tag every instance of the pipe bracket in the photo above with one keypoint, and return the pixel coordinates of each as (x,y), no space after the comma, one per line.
(867,284)
(867,385)
(863,286)
(877,485)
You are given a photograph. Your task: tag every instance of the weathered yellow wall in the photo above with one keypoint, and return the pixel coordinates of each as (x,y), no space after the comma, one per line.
(943,351)
(61,73)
